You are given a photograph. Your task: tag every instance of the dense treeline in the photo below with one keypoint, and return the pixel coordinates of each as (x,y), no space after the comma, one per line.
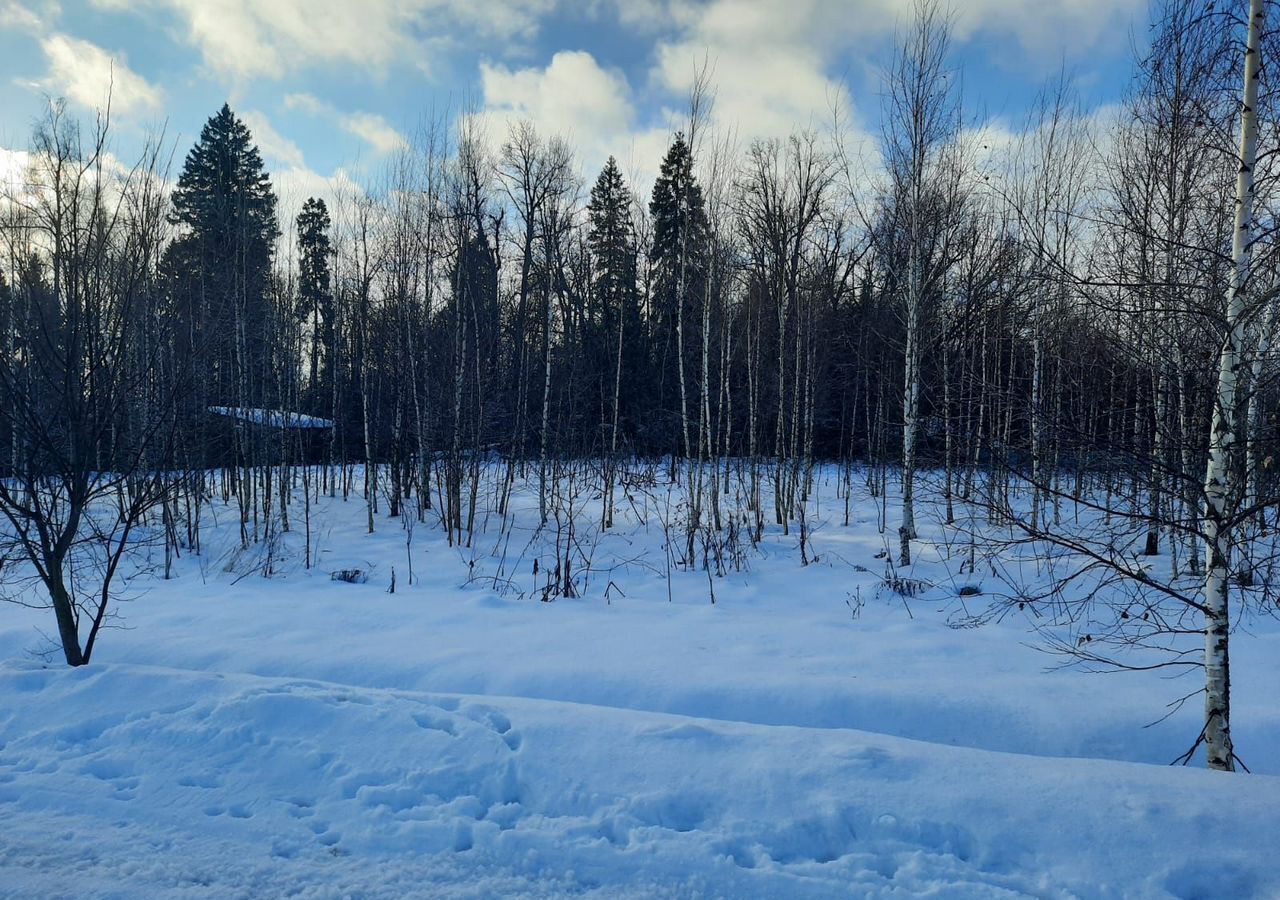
(757,303)
(1070,312)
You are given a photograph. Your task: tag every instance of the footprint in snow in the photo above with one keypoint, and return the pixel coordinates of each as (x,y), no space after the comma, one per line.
(200,780)
(496,722)
(428,722)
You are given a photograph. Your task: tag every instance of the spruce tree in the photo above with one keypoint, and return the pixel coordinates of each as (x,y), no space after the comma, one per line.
(611,239)
(680,269)
(220,266)
(316,296)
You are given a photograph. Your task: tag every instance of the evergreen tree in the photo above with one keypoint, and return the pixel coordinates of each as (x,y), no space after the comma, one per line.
(473,313)
(316,296)
(39,323)
(680,270)
(220,267)
(611,239)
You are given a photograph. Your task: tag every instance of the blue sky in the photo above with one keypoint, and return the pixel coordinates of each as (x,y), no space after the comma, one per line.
(331,87)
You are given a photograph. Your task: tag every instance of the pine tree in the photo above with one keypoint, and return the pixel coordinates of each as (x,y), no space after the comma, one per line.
(316,296)
(220,267)
(679,258)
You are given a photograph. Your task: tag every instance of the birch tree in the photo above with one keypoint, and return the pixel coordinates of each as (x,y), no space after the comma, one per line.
(919,143)
(1221,488)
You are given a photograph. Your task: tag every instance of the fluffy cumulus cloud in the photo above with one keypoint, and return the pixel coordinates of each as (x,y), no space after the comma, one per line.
(778,66)
(86,74)
(774,66)
(574,97)
(782,64)
(371,128)
(251,38)
(75,68)
(573,92)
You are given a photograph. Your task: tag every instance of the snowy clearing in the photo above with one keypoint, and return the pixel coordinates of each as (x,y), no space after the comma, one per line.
(297,736)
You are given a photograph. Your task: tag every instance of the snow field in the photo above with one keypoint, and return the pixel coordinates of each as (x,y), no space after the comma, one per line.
(293,736)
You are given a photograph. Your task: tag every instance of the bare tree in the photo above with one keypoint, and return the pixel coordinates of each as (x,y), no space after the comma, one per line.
(85,394)
(921,151)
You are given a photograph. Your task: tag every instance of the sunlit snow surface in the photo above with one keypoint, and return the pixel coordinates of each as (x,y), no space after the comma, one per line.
(295,736)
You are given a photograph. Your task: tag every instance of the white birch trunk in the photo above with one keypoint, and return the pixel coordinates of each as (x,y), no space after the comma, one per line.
(612,470)
(546,414)
(910,408)
(1037,451)
(1223,437)
(1261,349)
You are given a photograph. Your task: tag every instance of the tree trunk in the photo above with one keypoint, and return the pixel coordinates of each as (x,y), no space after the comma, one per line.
(64,611)
(1220,490)
(910,409)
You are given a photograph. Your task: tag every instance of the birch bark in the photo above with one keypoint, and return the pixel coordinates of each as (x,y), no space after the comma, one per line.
(1219,487)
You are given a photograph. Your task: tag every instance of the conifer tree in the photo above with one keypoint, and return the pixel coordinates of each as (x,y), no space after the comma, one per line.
(679,257)
(220,267)
(611,238)
(315,294)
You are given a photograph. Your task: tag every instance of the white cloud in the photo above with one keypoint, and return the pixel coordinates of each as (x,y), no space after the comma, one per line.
(992,145)
(247,38)
(770,63)
(369,127)
(572,92)
(295,184)
(88,75)
(271,143)
(13,172)
(374,130)
(307,103)
(1046,32)
(27,178)
(17,17)
(1043,31)
(779,65)
(574,97)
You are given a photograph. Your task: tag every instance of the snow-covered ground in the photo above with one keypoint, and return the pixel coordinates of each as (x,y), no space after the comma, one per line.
(243,736)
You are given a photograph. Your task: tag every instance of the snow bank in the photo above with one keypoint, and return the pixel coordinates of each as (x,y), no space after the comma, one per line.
(136,781)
